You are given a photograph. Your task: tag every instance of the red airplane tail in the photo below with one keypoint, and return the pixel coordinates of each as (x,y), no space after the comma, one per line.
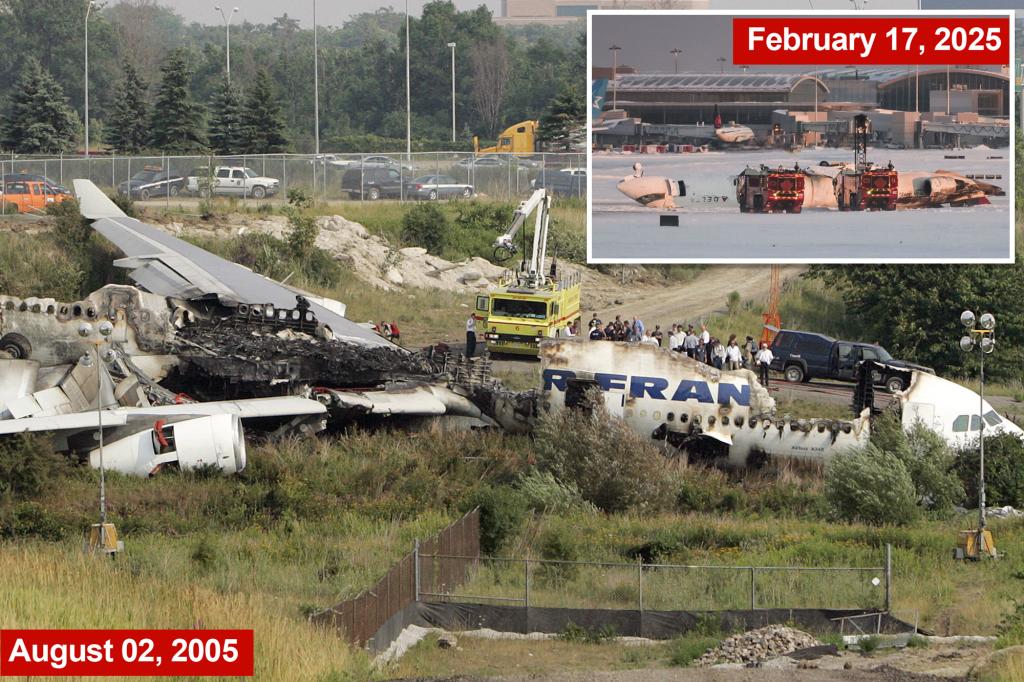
(718,118)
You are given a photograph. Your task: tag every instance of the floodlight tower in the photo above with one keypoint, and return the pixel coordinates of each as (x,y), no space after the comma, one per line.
(980,335)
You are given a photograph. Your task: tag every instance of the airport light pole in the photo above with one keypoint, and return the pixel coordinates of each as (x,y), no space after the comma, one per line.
(88,10)
(615,68)
(316,92)
(986,343)
(227,36)
(408,102)
(675,52)
(85,330)
(452,46)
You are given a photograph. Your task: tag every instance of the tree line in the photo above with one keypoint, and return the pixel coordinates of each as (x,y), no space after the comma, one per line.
(157,83)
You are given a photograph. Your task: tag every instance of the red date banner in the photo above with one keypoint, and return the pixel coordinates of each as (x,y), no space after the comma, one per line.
(850,41)
(126,652)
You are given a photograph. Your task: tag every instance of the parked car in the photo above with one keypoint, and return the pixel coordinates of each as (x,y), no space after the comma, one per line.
(802,356)
(231,180)
(28,196)
(568,181)
(51,186)
(496,161)
(438,187)
(152,182)
(372,183)
(375,161)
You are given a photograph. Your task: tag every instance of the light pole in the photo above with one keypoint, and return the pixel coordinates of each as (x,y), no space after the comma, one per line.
(615,68)
(227,36)
(675,52)
(408,101)
(85,331)
(986,343)
(88,10)
(721,64)
(452,45)
(316,89)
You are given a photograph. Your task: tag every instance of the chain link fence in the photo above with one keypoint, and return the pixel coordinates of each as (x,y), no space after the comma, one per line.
(325,177)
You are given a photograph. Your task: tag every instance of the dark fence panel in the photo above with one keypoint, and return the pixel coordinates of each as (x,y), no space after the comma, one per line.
(360,617)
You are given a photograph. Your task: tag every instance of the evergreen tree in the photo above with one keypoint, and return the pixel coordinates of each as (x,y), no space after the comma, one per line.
(262,121)
(38,118)
(565,117)
(128,129)
(176,122)
(225,128)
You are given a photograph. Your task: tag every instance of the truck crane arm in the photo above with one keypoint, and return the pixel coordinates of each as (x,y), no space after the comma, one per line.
(531,270)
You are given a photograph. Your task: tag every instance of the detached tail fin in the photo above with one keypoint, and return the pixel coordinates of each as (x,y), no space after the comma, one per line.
(93,203)
(598,92)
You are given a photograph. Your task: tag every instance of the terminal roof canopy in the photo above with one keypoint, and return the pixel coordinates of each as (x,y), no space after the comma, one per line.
(710,82)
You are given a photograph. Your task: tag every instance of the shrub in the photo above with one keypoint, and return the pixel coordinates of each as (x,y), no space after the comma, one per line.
(732,302)
(426,225)
(125,203)
(685,650)
(27,465)
(568,245)
(302,233)
(204,553)
(872,486)
(502,511)
(869,644)
(928,460)
(298,198)
(544,493)
(581,635)
(1004,475)
(70,230)
(558,545)
(1011,627)
(614,467)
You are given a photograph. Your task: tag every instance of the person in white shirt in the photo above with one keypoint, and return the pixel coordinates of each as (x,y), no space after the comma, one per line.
(649,340)
(762,360)
(733,355)
(674,339)
(470,335)
(705,337)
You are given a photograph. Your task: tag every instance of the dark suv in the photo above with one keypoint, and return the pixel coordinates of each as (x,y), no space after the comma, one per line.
(372,183)
(802,356)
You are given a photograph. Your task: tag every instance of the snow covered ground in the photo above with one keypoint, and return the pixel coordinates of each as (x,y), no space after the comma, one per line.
(711,227)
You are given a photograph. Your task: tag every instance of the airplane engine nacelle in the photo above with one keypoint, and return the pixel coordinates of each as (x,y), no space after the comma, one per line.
(216,440)
(940,185)
(653,192)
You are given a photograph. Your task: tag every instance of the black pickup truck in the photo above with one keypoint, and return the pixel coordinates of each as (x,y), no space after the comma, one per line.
(802,356)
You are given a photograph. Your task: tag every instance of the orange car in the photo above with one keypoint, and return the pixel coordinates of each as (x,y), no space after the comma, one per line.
(28,196)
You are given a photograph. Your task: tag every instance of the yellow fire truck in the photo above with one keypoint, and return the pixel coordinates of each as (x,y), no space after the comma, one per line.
(529,304)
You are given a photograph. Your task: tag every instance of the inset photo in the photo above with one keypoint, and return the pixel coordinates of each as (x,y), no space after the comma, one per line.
(697,159)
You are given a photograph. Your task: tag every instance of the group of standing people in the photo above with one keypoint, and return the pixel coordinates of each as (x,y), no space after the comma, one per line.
(699,345)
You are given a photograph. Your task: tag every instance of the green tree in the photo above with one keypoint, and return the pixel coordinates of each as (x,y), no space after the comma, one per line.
(225,129)
(565,117)
(128,131)
(914,310)
(38,119)
(262,121)
(176,122)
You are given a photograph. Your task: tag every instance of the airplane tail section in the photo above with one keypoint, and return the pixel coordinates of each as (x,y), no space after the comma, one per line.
(93,203)
(598,92)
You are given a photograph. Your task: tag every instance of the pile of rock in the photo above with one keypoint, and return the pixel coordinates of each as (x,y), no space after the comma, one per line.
(758,645)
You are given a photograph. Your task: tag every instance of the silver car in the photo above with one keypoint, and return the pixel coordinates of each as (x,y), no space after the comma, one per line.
(439,187)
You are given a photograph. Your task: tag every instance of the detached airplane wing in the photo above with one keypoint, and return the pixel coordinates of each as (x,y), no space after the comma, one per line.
(169,266)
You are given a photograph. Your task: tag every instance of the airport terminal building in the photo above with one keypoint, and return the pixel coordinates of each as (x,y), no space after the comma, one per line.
(909,106)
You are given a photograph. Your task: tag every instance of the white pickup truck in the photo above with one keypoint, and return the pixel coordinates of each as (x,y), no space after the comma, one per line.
(231,180)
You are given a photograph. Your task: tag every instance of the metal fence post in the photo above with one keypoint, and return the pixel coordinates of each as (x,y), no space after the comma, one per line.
(888,577)
(753,597)
(640,592)
(526,596)
(416,568)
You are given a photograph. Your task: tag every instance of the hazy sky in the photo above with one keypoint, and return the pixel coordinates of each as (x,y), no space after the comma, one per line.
(336,12)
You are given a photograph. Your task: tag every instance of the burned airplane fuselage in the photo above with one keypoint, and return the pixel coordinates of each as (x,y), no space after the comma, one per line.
(726,414)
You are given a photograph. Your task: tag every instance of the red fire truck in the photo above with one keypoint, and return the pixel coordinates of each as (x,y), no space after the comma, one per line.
(866,186)
(770,190)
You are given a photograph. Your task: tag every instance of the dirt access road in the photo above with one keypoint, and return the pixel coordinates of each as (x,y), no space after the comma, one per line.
(688,302)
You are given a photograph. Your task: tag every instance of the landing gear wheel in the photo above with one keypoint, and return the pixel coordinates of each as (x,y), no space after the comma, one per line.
(16,345)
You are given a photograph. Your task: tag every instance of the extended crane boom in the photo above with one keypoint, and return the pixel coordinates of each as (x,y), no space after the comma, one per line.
(531,271)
